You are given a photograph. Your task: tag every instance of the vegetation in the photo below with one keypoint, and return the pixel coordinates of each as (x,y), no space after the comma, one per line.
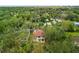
(58,41)
(16,24)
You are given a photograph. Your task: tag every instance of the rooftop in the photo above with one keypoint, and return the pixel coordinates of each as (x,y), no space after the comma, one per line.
(38,32)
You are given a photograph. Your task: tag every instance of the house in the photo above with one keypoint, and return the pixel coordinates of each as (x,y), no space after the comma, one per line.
(38,35)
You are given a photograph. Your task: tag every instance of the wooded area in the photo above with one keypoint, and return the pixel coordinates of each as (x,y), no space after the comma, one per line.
(57,22)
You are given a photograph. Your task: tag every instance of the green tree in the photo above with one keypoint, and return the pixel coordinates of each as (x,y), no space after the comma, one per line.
(58,41)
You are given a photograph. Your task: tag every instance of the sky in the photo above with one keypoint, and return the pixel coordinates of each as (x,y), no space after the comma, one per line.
(39,2)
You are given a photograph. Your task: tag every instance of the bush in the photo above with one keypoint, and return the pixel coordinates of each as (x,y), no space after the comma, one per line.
(68,26)
(55,33)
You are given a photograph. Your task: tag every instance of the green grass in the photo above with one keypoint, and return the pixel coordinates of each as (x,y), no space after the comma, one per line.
(73,33)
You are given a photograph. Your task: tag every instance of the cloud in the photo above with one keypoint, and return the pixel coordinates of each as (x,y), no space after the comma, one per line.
(37,2)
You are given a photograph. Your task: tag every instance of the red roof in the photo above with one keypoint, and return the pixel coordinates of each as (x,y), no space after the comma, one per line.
(38,32)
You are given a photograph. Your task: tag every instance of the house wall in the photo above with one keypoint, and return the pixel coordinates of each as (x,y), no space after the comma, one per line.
(41,39)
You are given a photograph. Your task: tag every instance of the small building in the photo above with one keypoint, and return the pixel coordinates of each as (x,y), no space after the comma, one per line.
(38,36)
